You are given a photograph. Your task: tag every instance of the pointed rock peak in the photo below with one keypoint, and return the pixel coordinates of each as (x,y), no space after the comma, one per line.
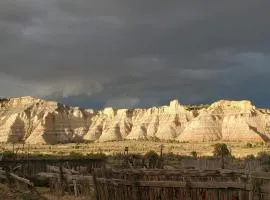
(174,106)
(108,111)
(174,103)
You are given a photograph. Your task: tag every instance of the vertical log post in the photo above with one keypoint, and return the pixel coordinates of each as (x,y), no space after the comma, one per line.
(75,188)
(188,189)
(134,188)
(28,151)
(250,195)
(62,187)
(13,149)
(161,164)
(240,193)
(95,184)
(126,157)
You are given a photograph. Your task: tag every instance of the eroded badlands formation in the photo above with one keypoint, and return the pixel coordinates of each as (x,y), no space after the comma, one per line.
(38,121)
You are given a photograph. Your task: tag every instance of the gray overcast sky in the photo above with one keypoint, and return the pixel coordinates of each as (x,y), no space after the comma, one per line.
(96,53)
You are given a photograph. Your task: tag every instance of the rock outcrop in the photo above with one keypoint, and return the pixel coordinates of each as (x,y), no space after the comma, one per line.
(37,121)
(226,120)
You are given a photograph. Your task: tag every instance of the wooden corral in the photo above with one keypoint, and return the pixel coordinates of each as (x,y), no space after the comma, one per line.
(12,186)
(67,181)
(30,167)
(201,164)
(180,185)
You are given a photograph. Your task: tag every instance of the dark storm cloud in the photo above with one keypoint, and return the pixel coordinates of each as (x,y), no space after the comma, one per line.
(129,53)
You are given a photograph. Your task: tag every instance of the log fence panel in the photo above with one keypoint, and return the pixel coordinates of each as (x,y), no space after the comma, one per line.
(159,184)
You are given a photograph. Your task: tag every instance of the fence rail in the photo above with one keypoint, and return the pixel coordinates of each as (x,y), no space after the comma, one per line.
(181,185)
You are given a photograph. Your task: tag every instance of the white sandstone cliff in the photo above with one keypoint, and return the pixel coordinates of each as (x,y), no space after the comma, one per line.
(38,121)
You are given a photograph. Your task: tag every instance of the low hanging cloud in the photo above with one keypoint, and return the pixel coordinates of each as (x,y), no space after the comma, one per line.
(135,53)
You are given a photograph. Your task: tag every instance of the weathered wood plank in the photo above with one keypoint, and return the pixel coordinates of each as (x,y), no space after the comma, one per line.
(182,184)
(26,181)
(51,168)
(68,177)
(4,174)
(214,185)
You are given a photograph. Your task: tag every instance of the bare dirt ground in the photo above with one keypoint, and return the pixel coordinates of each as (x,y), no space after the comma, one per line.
(45,192)
(22,193)
(18,192)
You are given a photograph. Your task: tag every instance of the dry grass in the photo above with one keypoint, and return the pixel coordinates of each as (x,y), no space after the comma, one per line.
(238,149)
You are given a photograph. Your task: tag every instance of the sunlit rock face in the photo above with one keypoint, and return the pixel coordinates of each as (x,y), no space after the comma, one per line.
(32,120)
(230,121)
(36,121)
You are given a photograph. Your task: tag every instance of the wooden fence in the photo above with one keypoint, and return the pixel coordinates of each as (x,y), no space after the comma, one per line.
(63,180)
(32,166)
(201,163)
(180,185)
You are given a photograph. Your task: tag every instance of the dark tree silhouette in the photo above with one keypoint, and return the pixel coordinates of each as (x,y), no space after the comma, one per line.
(221,151)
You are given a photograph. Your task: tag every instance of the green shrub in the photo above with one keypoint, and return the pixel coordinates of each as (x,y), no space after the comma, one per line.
(221,150)
(194,154)
(249,145)
(74,154)
(151,155)
(152,158)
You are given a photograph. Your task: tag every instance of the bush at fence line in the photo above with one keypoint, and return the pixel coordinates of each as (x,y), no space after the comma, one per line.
(194,154)
(152,158)
(221,150)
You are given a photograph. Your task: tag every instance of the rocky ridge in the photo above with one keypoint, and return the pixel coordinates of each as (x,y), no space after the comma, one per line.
(37,121)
